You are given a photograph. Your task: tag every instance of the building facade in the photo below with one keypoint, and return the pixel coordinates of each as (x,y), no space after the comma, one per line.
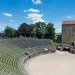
(68,32)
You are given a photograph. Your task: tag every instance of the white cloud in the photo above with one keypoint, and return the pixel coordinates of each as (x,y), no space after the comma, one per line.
(7,14)
(36,17)
(37,1)
(70,16)
(25,10)
(11,20)
(58,30)
(32,10)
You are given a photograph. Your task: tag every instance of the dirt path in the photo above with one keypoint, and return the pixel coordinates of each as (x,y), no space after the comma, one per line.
(59,63)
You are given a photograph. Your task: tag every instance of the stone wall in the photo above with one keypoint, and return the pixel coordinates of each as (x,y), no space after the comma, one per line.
(72,51)
(24,59)
(68,34)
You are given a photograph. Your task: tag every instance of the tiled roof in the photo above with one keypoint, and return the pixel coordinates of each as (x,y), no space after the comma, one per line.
(68,22)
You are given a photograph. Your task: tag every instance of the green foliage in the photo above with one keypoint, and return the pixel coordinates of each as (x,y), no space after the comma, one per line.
(1,34)
(56,44)
(39,29)
(56,36)
(10,32)
(50,31)
(25,30)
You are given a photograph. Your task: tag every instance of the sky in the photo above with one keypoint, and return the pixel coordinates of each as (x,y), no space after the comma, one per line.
(15,12)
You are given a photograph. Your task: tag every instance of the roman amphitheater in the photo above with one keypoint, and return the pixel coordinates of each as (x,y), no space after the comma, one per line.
(34,57)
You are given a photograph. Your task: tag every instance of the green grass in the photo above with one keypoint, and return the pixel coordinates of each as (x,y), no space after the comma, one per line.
(56,44)
(9,57)
(2,39)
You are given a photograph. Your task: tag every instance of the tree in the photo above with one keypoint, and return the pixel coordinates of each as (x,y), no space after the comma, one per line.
(31,30)
(50,31)
(1,34)
(9,32)
(39,29)
(17,33)
(25,30)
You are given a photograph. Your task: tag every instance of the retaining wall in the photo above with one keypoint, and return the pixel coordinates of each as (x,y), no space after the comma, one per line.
(72,51)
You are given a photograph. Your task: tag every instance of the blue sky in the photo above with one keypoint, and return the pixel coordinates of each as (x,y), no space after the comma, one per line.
(15,12)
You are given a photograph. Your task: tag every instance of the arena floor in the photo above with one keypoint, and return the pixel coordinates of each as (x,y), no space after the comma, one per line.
(59,63)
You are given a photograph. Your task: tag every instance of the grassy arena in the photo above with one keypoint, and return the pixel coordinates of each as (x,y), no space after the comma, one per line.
(9,57)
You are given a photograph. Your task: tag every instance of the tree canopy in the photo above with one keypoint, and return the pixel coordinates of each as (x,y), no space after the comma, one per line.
(39,30)
(50,31)
(10,32)
(25,30)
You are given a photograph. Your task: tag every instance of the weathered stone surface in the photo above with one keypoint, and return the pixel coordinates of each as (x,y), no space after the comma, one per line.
(68,32)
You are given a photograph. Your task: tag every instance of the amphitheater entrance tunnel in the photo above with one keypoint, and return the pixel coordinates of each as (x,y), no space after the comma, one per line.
(64,49)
